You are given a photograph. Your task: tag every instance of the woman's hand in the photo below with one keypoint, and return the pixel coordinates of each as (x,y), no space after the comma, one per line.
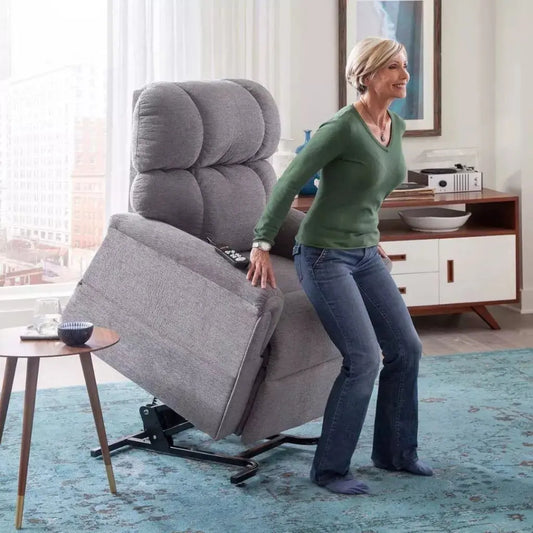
(382,252)
(385,258)
(261,268)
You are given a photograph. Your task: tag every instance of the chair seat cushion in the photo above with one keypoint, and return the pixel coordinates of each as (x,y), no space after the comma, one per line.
(299,341)
(285,273)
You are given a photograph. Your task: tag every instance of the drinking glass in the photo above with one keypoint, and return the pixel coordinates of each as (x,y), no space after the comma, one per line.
(47,316)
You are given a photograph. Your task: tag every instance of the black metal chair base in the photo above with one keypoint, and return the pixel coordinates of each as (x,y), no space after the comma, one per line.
(161,423)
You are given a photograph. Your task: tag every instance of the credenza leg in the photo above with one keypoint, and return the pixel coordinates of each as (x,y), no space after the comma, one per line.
(485,314)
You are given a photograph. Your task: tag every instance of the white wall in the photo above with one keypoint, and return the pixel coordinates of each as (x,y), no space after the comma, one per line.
(522,122)
(507,105)
(512,125)
(483,92)
(313,64)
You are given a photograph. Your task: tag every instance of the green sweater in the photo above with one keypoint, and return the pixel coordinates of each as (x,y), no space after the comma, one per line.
(357,174)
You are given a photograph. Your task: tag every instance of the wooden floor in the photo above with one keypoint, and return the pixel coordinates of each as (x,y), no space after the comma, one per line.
(441,335)
(463,333)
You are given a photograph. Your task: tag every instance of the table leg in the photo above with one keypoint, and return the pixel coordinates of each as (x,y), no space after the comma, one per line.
(32,372)
(90,381)
(9,375)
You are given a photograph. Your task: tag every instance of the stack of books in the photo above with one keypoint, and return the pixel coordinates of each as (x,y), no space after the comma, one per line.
(411,191)
(31,333)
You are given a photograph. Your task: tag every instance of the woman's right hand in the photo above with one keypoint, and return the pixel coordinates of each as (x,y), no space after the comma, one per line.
(261,268)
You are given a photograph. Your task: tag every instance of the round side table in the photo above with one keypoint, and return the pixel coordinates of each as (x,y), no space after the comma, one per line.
(12,348)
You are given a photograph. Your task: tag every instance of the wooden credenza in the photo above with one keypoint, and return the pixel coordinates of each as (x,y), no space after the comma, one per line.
(459,271)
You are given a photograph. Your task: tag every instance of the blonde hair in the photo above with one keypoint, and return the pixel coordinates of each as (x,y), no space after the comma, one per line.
(367,57)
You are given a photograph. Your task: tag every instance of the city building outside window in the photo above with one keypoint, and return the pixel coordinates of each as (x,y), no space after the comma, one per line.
(52,138)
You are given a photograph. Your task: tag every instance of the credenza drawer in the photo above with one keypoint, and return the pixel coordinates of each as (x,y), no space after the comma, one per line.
(418,289)
(413,256)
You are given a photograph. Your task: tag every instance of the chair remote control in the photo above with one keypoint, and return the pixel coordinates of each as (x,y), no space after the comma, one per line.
(233,257)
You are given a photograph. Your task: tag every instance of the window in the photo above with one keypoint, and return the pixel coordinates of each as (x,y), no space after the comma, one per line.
(52,135)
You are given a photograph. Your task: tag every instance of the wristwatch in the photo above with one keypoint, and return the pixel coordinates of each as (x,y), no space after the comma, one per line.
(262,245)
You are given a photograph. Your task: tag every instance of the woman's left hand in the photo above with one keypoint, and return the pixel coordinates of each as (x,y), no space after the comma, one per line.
(382,252)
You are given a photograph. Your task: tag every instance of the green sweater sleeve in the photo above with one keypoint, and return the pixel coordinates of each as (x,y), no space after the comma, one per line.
(325,145)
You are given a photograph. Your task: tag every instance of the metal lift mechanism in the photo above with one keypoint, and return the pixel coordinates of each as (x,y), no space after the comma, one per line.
(161,423)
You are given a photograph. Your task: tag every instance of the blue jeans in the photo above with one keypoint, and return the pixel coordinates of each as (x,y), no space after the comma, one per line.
(365,316)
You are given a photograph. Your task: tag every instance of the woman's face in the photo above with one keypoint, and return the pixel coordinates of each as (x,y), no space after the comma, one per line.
(390,81)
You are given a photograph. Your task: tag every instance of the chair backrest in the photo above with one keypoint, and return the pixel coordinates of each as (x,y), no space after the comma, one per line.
(199,156)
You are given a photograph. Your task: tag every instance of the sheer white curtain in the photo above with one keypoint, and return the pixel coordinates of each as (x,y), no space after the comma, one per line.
(177,40)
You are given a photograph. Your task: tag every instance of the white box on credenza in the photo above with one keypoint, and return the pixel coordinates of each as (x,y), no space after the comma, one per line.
(448,180)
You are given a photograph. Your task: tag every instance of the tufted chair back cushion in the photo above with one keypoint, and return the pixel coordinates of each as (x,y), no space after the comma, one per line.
(199,157)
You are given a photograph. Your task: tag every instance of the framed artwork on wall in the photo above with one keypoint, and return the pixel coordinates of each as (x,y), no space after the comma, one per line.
(417,25)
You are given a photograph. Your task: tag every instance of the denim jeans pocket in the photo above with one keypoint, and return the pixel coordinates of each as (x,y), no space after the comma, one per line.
(320,258)
(314,256)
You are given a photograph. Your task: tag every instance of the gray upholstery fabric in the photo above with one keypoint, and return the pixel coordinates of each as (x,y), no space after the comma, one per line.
(197,147)
(229,357)
(285,403)
(300,334)
(197,325)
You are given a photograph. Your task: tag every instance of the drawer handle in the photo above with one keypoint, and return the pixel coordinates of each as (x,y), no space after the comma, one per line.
(450,270)
(398,257)
(403,290)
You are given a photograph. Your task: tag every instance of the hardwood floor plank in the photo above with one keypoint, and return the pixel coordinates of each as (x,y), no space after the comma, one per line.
(463,333)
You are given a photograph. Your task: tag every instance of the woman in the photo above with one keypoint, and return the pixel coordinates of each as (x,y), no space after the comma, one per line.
(340,266)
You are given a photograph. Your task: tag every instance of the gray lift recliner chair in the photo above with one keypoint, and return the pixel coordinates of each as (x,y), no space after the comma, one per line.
(227,356)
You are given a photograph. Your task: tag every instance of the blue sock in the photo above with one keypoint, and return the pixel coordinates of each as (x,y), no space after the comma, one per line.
(417,467)
(344,485)
(347,486)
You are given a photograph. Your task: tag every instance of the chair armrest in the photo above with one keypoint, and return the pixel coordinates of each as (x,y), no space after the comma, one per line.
(285,237)
(193,254)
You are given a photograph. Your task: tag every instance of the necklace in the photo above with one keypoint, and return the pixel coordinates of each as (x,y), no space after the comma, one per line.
(381,130)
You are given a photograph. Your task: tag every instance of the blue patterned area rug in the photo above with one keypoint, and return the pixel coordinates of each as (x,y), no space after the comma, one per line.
(475,429)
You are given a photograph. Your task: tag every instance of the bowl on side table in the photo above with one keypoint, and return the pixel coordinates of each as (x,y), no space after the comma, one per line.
(434,219)
(75,333)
